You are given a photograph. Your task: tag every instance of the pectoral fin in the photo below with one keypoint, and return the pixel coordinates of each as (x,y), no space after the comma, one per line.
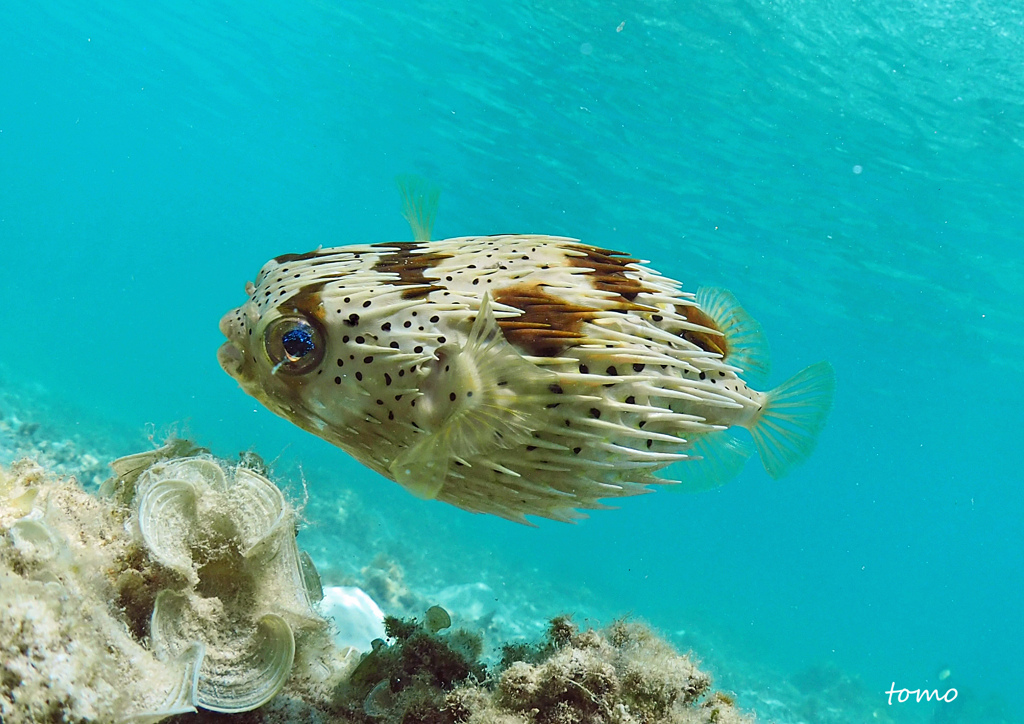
(423,468)
(496,388)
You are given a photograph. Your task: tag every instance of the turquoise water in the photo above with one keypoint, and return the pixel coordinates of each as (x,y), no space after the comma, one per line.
(852,171)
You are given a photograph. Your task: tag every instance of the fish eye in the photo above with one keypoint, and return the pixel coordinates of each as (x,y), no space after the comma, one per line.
(294,345)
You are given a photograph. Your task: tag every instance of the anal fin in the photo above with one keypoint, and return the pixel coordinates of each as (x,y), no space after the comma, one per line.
(718,457)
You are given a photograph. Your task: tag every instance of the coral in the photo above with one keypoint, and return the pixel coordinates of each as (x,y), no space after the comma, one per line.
(238,585)
(181,586)
(231,539)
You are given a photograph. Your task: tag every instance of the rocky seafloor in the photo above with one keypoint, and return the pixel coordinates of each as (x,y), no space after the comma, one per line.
(83,637)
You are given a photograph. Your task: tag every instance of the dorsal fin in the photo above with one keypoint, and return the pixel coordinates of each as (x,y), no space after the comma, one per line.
(746,346)
(419,204)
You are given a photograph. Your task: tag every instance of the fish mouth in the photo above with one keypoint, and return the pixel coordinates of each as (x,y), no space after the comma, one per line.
(230,355)
(230,358)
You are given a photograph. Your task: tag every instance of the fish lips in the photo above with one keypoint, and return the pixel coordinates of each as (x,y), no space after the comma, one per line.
(230,358)
(230,355)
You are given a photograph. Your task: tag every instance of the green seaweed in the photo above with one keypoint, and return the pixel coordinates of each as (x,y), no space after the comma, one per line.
(407,680)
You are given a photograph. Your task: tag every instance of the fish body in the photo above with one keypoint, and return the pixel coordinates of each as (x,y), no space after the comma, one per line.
(516,375)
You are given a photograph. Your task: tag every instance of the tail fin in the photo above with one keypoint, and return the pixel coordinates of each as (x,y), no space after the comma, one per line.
(786,430)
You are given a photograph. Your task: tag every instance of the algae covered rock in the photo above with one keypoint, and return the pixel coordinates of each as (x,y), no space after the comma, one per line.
(181,588)
(623,674)
(65,655)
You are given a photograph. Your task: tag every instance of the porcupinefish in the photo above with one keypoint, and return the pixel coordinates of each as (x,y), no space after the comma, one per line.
(517,374)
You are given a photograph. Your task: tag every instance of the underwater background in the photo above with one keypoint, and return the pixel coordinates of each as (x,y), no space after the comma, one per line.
(850,170)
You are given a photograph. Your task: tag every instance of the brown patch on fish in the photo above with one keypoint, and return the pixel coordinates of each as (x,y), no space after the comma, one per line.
(410,267)
(707,341)
(548,325)
(308,301)
(609,275)
(288,258)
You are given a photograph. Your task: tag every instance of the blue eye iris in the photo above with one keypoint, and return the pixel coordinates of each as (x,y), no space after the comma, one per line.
(295,345)
(298,342)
